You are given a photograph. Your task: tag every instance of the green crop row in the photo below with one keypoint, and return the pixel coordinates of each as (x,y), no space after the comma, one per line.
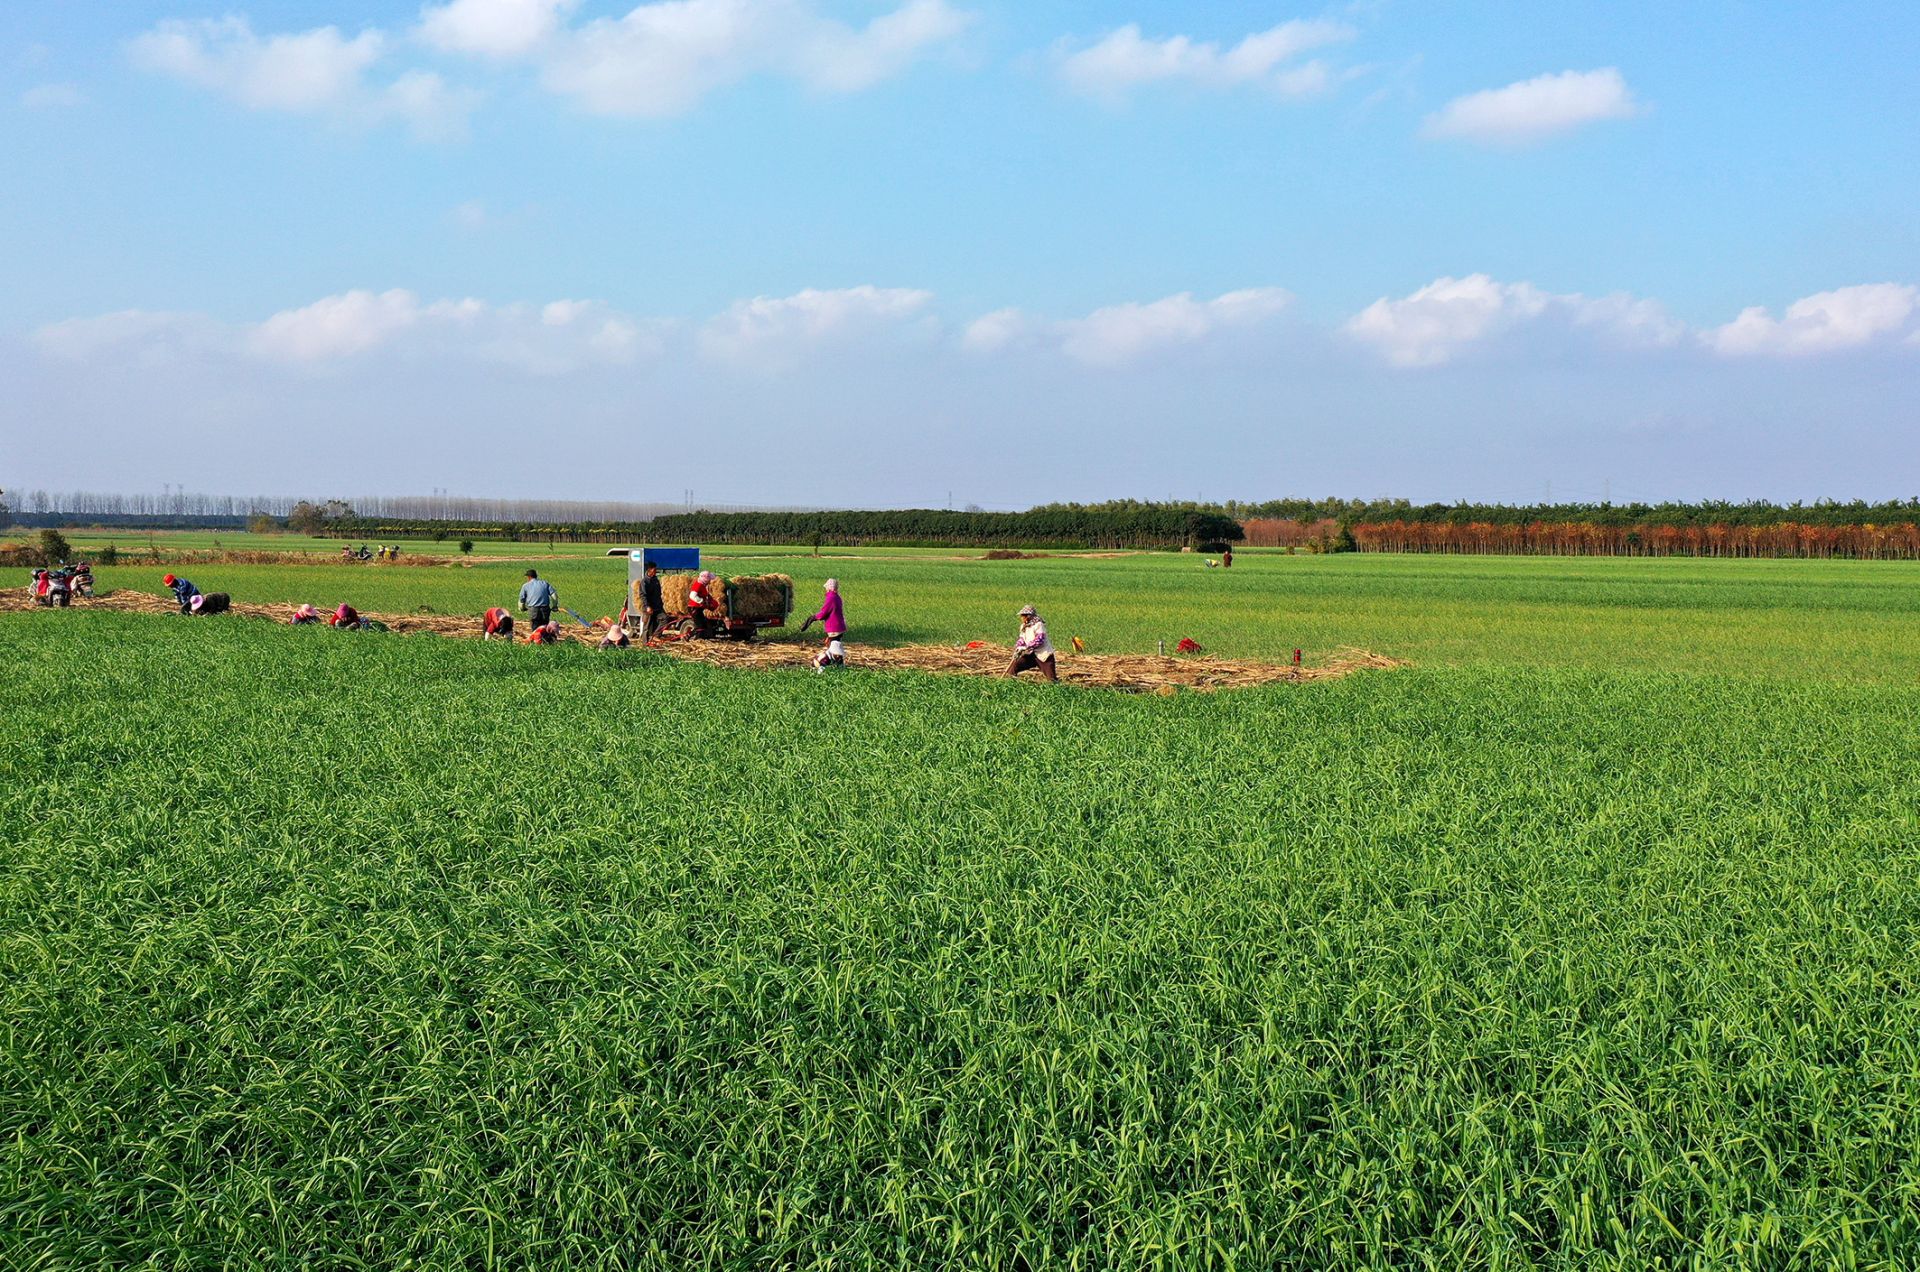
(356,951)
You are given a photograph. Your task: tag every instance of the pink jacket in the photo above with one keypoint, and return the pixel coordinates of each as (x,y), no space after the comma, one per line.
(832,616)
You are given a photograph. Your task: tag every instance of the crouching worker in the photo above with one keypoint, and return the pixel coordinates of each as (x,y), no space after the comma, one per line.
(833,654)
(210,603)
(547,633)
(496,622)
(183,591)
(1032,651)
(346,618)
(616,637)
(702,607)
(304,615)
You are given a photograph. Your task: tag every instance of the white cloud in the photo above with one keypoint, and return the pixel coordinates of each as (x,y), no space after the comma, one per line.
(318,72)
(841,60)
(1439,321)
(549,339)
(1536,108)
(1122,333)
(771,331)
(52,97)
(1845,318)
(493,28)
(138,335)
(663,57)
(352,322)
(1124,60)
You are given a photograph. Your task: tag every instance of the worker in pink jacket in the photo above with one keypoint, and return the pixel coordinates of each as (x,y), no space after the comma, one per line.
(832,615)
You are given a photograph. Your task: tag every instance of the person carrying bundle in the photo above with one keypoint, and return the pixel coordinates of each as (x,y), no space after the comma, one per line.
(1033,651)
(496,622)
(183,591)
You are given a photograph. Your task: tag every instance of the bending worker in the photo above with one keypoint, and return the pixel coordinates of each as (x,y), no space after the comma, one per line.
(183,591)
(496,622)
(701,605)
(1032,651)
(538,598)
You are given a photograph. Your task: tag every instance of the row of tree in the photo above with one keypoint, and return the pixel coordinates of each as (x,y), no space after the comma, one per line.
(1755,512)
(1899,541)
(1120,525)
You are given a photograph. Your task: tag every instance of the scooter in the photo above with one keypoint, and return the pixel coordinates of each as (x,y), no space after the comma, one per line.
(82,580)
(59,589)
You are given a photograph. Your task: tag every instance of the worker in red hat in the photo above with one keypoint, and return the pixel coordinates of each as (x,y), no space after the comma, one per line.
(345,617)
(183,591)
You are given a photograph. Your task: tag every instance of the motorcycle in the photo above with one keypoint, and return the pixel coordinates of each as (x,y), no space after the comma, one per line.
(82,580)
(348,554)
(59,589)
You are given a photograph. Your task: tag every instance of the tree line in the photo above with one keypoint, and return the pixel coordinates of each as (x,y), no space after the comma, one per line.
(1127,524)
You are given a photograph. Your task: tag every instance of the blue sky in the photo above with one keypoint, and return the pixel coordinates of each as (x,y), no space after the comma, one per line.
(806,251)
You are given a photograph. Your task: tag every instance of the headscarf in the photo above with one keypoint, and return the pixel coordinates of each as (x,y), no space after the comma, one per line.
(706,576)
(833,585)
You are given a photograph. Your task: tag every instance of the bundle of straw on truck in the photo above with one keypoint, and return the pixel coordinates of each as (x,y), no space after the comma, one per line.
(758,598)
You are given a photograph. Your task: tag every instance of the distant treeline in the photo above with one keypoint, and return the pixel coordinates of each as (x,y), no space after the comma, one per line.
(1708,513)
(1879,531)
(183,510)
(1115,525)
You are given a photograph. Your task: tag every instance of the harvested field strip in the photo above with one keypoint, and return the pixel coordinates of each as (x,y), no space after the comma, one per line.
(1137,673)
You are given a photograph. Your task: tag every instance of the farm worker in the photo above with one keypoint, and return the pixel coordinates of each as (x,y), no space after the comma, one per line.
(547,633)
(832,615)
(538,598)
(616,637)
(183,591)
(1032,650)
(700,603)
(304,615)
(1226,558)
(651,606)
(833,655)
(345,616)
(496,622)
(211,603)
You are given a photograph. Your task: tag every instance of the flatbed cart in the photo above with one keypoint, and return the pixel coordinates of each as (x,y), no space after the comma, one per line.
(736,621)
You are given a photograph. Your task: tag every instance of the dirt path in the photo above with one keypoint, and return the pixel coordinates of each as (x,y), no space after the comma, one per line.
(1136,673)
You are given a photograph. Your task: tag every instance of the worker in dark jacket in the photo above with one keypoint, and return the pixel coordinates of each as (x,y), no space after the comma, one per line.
(652,608)
(538,598)
(183,591)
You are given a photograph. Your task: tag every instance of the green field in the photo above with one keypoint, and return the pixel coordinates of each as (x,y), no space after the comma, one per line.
(1588,941)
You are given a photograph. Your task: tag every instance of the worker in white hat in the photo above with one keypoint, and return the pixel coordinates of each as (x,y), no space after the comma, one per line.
(1032,651)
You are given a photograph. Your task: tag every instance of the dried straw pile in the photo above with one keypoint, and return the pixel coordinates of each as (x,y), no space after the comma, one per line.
(757,596)
(1137,673)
